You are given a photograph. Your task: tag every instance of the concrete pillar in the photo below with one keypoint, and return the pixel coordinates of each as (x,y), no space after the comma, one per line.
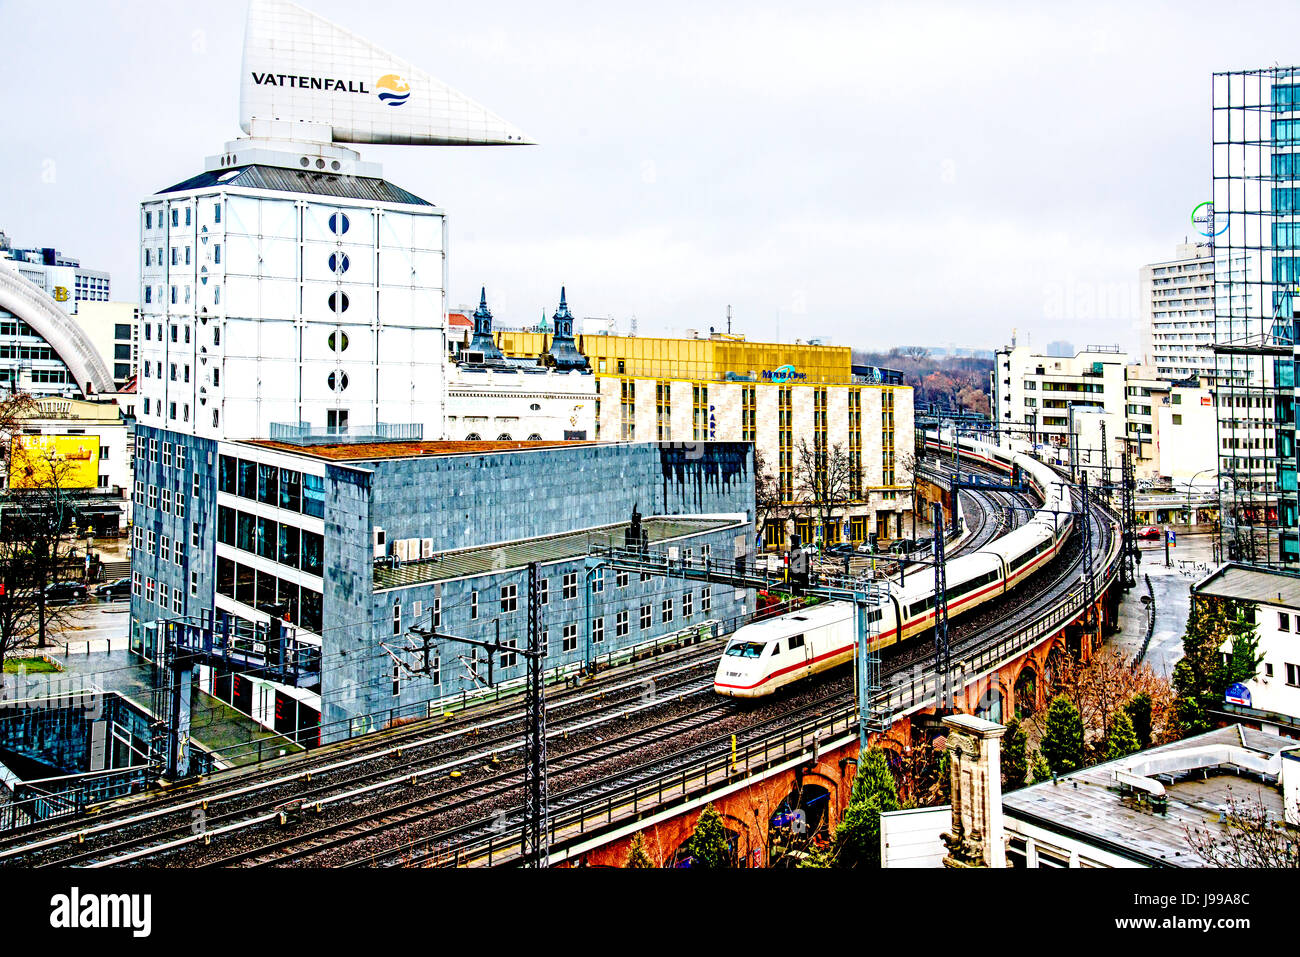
(975,767)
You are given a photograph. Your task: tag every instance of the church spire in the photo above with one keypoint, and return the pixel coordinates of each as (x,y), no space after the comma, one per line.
(482,341)
(563,353)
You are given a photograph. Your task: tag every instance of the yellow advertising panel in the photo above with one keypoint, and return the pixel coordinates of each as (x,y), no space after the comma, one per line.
(54,461)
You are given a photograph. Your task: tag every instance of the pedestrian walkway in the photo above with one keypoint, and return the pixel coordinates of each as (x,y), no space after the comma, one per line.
(1171,585)
(232,737)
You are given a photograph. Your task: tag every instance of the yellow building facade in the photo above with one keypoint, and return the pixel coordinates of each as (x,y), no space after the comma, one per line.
(780,396)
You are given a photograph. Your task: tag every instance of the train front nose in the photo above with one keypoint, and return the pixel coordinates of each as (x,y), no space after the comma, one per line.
(732,677)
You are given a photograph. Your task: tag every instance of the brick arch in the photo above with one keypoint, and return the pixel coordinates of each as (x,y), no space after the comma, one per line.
(1029,665)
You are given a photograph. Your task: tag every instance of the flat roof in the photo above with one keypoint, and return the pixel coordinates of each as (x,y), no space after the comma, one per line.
(467,562)
(1090,806)
(1251,583)
(400,449)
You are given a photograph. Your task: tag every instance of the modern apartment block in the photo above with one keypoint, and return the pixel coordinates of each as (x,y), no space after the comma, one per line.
(1178,314)
(1255,229)
(1074,406)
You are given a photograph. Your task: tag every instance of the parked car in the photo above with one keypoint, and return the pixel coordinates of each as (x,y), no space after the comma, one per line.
(840,549)
(1149,532)
(66,592)
(112,591)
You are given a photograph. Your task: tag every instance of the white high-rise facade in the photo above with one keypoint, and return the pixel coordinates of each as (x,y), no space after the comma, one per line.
(289,285)
(272,295)
(1178,314)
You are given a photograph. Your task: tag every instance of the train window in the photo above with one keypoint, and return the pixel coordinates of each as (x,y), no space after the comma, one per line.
(746,649)
(796,641)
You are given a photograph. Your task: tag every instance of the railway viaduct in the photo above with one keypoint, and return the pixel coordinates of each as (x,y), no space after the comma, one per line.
(821,782)
(1013,678)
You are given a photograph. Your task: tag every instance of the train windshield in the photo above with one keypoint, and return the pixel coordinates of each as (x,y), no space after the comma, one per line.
(747,649)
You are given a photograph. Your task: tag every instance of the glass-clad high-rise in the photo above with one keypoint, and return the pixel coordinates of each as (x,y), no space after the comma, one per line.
(1253,225)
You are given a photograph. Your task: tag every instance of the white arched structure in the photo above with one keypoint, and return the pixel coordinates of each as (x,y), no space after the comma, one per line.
(30,303)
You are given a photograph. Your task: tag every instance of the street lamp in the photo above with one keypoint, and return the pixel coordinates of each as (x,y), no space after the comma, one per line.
(1190,514)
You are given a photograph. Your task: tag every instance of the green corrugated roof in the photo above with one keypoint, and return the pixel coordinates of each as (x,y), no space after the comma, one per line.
(468,562)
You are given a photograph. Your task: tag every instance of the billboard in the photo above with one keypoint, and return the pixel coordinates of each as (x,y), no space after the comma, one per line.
(301,67)
(54,461)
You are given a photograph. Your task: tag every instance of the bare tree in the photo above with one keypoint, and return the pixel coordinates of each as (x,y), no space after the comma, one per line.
(1250,837)
(40,507)
(823,480)
(767,495)
(1100,687)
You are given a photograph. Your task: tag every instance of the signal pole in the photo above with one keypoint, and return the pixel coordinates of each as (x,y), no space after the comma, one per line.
(535,836)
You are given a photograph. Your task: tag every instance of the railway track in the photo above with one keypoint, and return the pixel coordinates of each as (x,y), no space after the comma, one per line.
(247,794)
(457,845)
(458,770)
(405,829)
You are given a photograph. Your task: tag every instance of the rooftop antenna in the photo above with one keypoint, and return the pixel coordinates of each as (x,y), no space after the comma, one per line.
(728,319)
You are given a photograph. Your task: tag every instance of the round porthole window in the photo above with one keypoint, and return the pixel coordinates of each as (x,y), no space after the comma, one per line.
(338,380)
(535,407)
(534,437)
(338,224)
(338,302)
(338,341)
(339,263)
(473,437)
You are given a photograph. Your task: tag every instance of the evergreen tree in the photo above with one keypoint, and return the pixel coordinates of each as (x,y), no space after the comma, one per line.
(637,857)
(1015,756)
(1202,675)
(857,836)
(709,844)
(873,777)
(1041,771)
(1122,740)
(1138,709)
(1063,739)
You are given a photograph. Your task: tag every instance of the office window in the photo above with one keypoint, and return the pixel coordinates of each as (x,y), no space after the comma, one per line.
(688,605)
(647,617)
(620,578)
(544,590)
(621,624)
(666,611)
(509,598)
(706,600)
(570,638)
(1283,621)
(597,630)
(473,605)
(570,585)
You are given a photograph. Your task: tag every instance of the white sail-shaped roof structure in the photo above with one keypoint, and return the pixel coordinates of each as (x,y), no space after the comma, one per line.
(300,68)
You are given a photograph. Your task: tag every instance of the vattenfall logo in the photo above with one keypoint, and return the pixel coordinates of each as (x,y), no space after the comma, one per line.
(393,90)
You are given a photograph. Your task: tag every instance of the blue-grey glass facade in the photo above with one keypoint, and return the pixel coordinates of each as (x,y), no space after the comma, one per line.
(1254,229)
(478,513)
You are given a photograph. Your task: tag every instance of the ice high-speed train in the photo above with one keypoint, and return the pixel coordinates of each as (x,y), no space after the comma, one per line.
(767,655)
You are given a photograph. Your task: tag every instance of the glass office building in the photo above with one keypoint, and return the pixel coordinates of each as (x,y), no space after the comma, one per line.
(1253,224)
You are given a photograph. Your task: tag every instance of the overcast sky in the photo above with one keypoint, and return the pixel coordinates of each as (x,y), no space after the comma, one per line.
(878,173)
